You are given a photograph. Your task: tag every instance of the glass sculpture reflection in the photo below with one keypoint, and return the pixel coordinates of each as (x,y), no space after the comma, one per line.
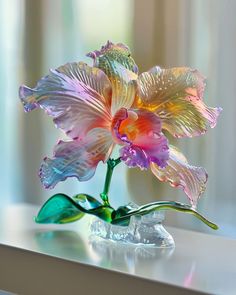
(109,104)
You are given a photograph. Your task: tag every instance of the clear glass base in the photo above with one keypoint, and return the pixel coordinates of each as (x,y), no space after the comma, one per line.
(144,230)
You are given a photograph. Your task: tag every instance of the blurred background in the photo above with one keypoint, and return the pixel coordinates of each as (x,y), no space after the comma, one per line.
(38,35)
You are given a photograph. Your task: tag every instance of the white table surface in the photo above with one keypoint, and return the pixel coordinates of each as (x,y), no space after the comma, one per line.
(44,259)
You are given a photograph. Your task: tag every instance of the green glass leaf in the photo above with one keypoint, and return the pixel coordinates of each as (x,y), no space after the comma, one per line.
(62,209)
(59,209)
(123,214)
(86,201)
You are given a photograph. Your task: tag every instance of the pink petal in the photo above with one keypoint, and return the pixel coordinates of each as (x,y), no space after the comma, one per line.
(180,174)
(75,95)
(175,95)
(77,158)
(140,131)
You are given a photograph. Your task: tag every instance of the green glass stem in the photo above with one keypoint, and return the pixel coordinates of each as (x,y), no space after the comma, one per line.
(111,164)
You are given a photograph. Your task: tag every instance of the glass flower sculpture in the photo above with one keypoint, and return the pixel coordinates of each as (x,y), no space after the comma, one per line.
(109,104)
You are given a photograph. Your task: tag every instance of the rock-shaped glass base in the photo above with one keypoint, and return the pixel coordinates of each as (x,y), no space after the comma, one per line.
(144,230)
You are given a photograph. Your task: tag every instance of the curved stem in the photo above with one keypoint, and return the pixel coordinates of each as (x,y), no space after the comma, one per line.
(111,164)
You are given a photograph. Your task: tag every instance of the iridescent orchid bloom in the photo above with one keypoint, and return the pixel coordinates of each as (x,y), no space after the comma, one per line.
(109,104)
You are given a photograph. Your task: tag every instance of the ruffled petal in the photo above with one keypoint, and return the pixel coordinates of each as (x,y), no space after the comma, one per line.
(140,131)
(180,174)
(133,156)
(116,62)
(175,95)
(75,95)
(77,158)
(123,86)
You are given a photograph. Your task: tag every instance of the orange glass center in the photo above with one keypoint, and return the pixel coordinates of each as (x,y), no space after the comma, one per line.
(128,126)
